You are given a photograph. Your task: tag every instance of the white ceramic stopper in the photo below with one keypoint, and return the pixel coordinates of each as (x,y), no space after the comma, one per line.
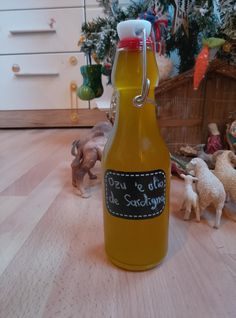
(133,28)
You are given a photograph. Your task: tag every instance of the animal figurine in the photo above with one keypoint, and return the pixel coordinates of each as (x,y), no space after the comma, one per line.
(87,151)
(190,198)
(209,188)
(225,172)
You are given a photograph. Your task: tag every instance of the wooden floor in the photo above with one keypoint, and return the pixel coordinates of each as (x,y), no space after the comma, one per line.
(52,260)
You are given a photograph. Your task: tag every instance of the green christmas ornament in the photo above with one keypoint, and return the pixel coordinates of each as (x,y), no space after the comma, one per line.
(92,82)
(213,42)
(85,93)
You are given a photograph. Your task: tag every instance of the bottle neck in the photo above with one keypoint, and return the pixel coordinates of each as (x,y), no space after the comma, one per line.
(135,122)
(127,74)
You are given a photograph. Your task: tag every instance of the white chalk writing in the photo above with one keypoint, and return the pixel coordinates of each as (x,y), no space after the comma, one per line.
(135,195)
(116,184)
(145,201)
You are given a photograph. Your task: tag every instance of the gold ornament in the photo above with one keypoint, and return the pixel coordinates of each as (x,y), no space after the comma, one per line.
(227,47)
(81,40)
(96,59)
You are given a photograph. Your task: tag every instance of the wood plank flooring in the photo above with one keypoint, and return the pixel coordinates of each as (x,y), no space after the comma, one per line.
(52,260)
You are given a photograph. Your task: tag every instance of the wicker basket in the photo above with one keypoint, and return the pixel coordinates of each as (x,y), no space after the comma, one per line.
(184,113)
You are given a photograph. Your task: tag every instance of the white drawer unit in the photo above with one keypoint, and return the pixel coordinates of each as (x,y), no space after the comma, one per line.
(38,4)
(40,81)
(49,30)
(40,59)
(39,54)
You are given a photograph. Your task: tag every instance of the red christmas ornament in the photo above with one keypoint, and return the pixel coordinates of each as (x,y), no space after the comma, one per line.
(201,65)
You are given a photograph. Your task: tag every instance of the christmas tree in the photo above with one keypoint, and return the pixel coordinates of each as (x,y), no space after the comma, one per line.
(199,20)
(227,10)
(186,23)
(99,36)
(227,31)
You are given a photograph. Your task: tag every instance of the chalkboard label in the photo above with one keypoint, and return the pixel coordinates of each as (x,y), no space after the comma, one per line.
(135,195)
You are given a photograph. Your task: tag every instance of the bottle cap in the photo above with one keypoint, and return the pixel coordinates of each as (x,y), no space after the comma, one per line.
(133,28)
(130,34)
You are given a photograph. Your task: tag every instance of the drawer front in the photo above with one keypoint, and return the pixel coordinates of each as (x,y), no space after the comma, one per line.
(40,81)
(36,31)
(38,4)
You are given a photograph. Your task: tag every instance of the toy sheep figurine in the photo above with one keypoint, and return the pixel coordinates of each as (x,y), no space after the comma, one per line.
(209,188)
(190,198)
(225,172)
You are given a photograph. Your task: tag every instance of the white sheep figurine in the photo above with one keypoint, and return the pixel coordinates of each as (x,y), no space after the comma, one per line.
(209,188)
(225,172)
(190,198)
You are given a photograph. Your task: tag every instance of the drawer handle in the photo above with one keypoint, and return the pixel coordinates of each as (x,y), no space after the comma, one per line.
(32,31)
(74,116)
(36,74)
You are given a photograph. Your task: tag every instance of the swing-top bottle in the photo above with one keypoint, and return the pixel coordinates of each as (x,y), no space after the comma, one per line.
(136,163)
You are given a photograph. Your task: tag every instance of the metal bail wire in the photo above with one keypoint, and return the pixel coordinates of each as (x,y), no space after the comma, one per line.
(140,100)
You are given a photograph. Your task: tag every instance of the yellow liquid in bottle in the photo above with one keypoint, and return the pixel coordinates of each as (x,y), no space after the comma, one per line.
(135,146)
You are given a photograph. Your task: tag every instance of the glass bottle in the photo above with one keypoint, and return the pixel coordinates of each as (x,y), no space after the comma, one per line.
(136,163)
